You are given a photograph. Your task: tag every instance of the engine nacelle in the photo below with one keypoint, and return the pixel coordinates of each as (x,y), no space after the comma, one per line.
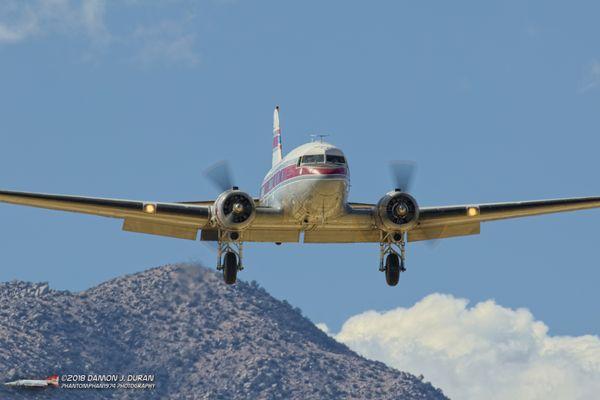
(397,211)
(234,210)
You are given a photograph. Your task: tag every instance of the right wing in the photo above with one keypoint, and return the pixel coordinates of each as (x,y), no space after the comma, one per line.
(358,225)
(167,219)
(461,220)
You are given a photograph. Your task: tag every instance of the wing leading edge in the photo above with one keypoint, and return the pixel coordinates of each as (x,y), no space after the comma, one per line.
(183,220)
(159,218)
(462,220)
(448,221)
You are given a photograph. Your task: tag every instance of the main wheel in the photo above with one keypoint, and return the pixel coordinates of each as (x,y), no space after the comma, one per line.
(392,269)
(230,267)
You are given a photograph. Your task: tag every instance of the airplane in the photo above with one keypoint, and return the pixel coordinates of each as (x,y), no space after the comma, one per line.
(303,198)
(35,383)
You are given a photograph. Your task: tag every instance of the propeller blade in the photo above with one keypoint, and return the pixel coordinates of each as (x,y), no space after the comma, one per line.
(220,175)
(229,219)
(403,173)
(433,241)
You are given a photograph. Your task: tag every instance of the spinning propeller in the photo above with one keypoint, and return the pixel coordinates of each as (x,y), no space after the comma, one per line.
(233,207)
(403,173)
(219,174)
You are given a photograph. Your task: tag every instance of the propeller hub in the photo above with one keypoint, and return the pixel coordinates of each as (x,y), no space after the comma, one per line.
(238,208)
(401,210)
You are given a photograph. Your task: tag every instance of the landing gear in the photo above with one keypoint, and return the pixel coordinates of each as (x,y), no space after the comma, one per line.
(230,267)
(229,255)
(392,269)
(392,250)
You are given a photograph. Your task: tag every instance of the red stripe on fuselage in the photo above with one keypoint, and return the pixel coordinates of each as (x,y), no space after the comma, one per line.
(277,138)
(292,171)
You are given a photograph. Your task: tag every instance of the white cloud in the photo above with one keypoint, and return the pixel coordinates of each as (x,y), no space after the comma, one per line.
(21,20)
(146,40)
(166,43)
(591,77)
(323,327)
(482,352)
(16,23)
(92,13)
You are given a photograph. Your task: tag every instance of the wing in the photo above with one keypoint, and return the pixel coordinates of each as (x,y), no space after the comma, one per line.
(167,219)
(358,225)
(442,222)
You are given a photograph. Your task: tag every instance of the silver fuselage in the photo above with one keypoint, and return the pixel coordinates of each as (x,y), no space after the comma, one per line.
(28,383)
(309,194)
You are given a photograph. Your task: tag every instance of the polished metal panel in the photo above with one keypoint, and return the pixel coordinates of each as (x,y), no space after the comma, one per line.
(190,215)
(436,216)
(444,231)
(271,235)
(341,236)
(155,228)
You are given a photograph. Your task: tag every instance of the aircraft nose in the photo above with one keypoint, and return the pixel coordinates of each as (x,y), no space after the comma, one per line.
(328,187)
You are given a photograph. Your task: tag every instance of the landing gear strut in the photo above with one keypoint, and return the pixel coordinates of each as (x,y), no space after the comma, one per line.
(392,251)
(229,255)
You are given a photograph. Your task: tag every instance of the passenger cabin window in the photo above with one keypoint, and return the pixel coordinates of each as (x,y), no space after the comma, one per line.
(312,159)
(336,159)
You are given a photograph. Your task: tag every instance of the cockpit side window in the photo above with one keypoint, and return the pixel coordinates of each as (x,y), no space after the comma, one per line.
(336,159)
(313,159)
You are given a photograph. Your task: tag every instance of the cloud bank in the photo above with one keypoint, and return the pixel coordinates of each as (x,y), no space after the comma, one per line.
(481,352)
(146,39)
(21,20)
(166,43)
(591,78)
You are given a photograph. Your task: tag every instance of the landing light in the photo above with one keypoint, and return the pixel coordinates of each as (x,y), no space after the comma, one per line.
(150,208)
(472,211)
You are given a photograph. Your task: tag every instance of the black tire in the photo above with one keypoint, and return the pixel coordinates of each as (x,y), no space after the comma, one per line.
(230,268)
(392,269)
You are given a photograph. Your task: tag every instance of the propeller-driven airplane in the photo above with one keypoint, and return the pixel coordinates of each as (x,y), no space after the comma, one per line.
(303,198)
(51,381)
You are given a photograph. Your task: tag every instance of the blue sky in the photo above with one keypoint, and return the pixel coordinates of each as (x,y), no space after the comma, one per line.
(496,102)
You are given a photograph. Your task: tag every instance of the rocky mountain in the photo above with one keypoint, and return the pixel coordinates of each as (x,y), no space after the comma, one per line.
(197,337)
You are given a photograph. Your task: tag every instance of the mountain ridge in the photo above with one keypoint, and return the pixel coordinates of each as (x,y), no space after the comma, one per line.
(199,338)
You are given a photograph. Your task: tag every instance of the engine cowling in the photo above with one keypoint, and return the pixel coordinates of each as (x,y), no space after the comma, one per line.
(397,211)
(234,210)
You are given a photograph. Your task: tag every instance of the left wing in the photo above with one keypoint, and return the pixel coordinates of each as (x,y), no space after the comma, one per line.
(442,222)
(167,219)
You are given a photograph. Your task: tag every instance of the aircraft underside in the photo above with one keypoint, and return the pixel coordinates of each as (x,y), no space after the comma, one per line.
(304,197)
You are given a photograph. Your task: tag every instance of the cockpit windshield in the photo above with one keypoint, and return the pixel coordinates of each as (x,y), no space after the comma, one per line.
(336,159)
(312,159)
